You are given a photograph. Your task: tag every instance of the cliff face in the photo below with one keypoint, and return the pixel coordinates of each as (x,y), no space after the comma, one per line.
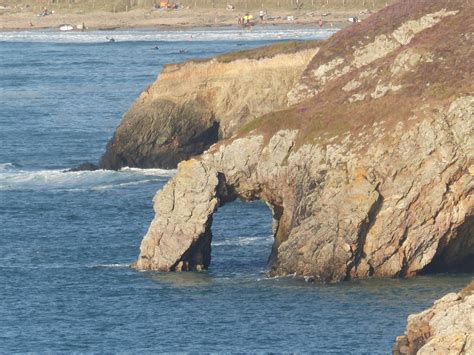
(368,175)
(445,328)
(193,104)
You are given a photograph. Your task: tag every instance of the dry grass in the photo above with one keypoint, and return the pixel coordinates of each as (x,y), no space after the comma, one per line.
(329,114)
(268,51)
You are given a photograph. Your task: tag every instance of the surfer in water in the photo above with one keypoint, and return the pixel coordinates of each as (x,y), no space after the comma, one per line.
(111,39)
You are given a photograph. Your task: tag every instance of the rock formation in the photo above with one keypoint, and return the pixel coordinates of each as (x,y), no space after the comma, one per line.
(445,328)
(193,104)
(367,174)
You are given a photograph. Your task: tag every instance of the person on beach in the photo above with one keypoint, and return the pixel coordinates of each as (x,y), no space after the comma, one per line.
(262,14)
(321,22)
(247,19)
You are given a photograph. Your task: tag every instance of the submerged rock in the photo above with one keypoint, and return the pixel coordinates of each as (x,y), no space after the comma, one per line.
(367,175)
(445,328)
(87,166)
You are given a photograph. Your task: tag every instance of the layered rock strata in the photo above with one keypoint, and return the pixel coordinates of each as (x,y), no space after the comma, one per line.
(367,176)
(191,105)
(445,328)
(341,209)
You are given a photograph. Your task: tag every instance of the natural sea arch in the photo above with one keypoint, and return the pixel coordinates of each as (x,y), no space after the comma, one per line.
(180,236)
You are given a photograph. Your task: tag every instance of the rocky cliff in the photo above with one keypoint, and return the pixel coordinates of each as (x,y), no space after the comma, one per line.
(367,174)
(445,328)
(191,105)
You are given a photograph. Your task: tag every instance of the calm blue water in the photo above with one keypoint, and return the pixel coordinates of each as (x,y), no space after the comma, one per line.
(66,238)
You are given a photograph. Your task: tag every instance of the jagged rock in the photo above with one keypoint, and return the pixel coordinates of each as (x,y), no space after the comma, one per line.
(385,33)
(377,187)
(386,213)
(445,328)
(192,105)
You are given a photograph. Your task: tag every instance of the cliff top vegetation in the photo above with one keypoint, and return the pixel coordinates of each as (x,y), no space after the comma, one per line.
(381,70)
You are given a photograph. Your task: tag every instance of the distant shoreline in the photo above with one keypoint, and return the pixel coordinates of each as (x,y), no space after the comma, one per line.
(167,19)
(337,26)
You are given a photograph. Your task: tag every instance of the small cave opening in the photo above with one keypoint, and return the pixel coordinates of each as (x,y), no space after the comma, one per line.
(456,256)
(242,237)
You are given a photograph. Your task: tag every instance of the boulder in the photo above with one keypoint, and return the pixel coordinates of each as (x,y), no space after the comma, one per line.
(445,328)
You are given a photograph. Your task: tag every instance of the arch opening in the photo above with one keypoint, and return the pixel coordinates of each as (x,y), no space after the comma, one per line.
(180,235)
(242,237)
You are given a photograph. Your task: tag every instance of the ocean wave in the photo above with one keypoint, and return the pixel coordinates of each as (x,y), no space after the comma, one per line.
(241,241)
(111,266)
(123,184)
(14,178)
(151,171)
(157,35)
(7,167)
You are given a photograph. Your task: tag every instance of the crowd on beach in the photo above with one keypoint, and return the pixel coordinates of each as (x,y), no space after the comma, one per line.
(174,13)
(247,19)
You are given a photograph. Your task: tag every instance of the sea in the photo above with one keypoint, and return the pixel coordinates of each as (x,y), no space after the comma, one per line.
(67,238)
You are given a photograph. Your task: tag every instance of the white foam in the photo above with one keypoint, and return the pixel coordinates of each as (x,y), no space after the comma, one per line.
(7,167)
(112,266)
(157,35)
(124,184)
(150,172)
(241,241)
(12,178)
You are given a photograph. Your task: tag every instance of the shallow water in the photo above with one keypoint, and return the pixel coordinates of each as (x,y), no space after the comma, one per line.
(67,238)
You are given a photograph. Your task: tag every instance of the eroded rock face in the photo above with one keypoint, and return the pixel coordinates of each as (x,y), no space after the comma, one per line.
(386,204)
(192,105)
(366,49)
(369,177)
(179,238)
(445,328)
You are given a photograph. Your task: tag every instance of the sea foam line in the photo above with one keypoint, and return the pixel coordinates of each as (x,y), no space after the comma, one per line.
(13,178)
(156,35)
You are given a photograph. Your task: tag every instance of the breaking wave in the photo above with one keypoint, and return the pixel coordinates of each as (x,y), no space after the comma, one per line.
(241,241)
(13,177)
(157,35)
(7,167)
(111,266)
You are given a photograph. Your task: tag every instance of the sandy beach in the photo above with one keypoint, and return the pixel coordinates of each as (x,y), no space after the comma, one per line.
(171,18)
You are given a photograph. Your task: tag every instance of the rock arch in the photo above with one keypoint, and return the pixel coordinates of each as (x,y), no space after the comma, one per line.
(179,239)
(403,204)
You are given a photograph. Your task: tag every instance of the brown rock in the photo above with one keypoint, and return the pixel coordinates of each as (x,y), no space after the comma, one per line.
(191,105)
(379,187)
(445,328)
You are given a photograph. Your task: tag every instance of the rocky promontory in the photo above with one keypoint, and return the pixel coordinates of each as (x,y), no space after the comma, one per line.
(367,174)
(194,104)
(365,158)
(445,328)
